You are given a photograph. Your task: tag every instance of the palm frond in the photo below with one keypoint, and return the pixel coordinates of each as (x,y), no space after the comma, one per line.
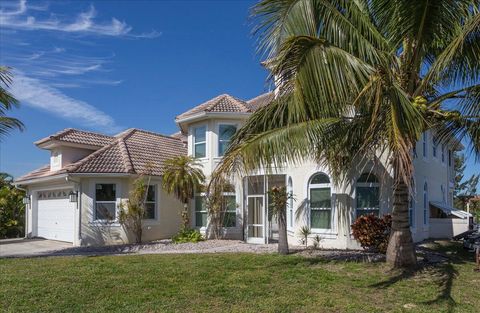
(457,64)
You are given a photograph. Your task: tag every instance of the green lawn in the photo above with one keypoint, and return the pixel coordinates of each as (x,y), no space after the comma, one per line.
(233,283)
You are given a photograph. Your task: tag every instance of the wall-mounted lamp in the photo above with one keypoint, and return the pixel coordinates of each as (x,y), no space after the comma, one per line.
(26,200)
(73,196)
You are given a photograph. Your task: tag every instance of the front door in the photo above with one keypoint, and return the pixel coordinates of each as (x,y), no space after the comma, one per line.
(256,219)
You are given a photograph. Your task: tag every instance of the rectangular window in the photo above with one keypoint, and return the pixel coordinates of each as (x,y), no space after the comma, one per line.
(200,142)
(230,207)
(225,133)
(424,144)
(449,157)
(105,202)
(434,147)
(151,203)
(368,200)
(200,212)
(425,207)
(411,211)
(320,208)
(443,153)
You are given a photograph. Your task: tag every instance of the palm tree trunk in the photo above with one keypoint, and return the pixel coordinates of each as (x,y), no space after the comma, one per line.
(282,232)
(185,219)
(401,250)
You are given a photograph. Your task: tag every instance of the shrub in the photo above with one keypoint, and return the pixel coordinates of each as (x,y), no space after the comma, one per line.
(372,232)
(187,235)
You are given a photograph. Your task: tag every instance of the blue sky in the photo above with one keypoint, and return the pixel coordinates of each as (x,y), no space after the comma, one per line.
(110,65)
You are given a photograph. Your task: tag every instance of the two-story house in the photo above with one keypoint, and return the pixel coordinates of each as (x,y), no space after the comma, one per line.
(76,197)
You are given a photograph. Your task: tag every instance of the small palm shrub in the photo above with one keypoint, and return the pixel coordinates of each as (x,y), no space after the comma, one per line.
(304,232)
(188,235)
(373,232)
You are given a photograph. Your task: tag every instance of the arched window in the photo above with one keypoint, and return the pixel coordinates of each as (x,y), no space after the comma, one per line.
(290,216)
(320,196)
(425,203)
(368,195)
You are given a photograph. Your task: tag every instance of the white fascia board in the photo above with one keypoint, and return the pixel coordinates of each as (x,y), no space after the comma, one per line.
(39,180)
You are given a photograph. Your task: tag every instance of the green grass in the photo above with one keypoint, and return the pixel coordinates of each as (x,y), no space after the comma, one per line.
(234,283)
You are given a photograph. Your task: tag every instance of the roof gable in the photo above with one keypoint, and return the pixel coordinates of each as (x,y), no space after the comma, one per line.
(221,104)
(75,136)
(133,152)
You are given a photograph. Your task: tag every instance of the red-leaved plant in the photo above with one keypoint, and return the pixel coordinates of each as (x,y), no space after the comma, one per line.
(373,232)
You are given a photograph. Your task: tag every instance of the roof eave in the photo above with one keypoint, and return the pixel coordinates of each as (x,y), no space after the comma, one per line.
(53,143)
(203,115)
(39,179)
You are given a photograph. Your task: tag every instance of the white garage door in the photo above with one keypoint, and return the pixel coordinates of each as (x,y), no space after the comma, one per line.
(55,215)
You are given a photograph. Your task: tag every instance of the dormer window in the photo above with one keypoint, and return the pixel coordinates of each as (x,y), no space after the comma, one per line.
(200,142)
(225,134)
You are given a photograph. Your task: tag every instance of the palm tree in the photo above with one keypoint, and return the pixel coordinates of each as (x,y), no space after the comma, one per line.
(278,205)
(359,78)
(182,177)
(7,102)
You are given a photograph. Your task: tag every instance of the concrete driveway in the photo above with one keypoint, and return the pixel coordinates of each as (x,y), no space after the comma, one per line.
(20,247)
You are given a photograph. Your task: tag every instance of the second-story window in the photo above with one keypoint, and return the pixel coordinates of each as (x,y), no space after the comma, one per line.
(225,133)
(200,142)
(434,146)
(449,157)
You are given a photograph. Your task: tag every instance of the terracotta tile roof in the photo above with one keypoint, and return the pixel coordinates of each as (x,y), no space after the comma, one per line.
(222,103)
(43,171)
(72,135)
(133,151)
(260,101)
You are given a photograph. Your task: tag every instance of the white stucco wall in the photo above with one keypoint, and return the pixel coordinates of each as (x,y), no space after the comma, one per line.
(432,170)
(165,225)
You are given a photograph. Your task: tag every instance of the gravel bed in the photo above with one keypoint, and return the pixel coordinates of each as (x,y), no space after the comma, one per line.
(168,247)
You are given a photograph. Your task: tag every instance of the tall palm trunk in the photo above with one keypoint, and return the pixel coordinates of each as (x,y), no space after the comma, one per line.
(282,231)
(185,218)
(401,250)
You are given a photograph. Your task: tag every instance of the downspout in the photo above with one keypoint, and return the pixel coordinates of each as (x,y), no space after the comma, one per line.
(79,207)
(27,208)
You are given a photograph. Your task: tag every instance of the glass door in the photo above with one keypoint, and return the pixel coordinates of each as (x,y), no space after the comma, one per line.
(256,219)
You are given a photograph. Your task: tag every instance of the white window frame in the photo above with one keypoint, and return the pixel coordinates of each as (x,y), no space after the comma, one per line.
(290,208)
(425,145)
(218,135)
(231,194)
(194,143)
(332,212)
(94,215)
(155,202)
(443,153)
(202,194)
(412,204)
(369,185)
(444,196)
(425,204)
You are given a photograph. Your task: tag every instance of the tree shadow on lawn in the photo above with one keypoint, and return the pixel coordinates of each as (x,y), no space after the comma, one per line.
(438,262)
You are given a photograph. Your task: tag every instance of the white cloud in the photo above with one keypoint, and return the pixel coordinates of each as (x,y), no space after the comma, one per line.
(16,18)
(39,95)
